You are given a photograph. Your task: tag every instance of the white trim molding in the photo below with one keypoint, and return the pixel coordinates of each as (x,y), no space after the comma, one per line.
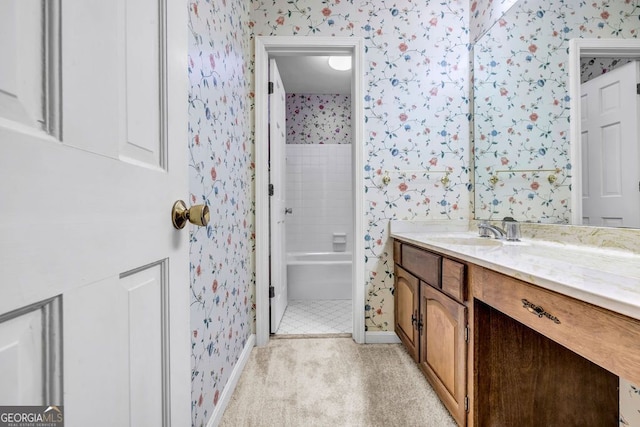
(301,45)
(226,394)
(382,337)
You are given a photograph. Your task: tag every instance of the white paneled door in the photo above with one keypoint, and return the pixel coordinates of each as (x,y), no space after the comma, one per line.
(610,153)
(277,200)
(94,280)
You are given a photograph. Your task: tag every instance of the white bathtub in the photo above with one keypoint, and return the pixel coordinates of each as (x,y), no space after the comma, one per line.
(319,275)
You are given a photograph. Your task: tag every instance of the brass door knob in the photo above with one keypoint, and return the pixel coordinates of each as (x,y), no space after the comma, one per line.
(197,214)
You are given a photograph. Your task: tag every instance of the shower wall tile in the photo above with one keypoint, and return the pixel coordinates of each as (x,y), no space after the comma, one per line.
(319,192)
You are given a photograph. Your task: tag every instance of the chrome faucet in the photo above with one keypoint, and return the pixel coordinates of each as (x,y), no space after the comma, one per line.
(485,229)
(512,229)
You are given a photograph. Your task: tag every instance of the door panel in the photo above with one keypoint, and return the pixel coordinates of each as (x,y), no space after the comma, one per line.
(144,141)
(30,365)
(611,196)
(23,62)
(136,338)
(99,357)
(89,198)
(277,174)
(148,316)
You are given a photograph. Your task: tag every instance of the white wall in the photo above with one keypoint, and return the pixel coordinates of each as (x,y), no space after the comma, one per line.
(319,192)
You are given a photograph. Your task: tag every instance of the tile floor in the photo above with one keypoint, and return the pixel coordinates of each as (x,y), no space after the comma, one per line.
(316,317)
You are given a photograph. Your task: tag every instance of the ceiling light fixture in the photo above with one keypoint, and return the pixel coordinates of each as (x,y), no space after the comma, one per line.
(340,63)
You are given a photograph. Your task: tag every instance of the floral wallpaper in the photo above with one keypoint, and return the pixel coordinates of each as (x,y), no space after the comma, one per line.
(629,404)
(485,13)
(220,148)
(318,119)
(594,67)
(416,113)
(522,103)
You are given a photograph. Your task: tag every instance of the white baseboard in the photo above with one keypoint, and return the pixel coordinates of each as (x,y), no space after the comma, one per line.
(381,337)
(225,396)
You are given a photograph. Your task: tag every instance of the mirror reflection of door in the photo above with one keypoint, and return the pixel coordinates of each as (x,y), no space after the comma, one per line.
(610,154)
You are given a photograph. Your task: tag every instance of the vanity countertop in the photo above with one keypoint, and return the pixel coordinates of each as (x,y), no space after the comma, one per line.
(607,278)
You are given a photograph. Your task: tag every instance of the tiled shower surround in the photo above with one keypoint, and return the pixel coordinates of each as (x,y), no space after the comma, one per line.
(319,193)
(416,100)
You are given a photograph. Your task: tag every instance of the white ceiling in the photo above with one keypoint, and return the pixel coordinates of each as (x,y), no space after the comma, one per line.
(312,74)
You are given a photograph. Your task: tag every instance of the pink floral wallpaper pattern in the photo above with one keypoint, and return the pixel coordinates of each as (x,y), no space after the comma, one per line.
(318,119)
(220,148)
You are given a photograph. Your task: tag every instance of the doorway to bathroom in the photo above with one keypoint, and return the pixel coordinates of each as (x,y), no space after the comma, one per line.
(324,201)
(318,211)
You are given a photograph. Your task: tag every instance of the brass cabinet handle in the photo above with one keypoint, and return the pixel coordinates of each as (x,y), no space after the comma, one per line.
(197,214)
(539,311)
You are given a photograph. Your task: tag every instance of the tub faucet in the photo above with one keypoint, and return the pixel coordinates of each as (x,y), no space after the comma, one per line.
(484,228)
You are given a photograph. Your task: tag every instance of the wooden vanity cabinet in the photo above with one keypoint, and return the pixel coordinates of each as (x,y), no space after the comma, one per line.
(500,351)
(407,288)
(431,320)
(443,348)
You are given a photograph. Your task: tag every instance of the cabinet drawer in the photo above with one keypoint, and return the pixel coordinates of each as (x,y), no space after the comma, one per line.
(592,332)
(425,265)
(397,252)
(453,279)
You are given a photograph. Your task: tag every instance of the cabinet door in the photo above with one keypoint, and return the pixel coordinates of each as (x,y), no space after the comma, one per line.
(443,348)
(406,309)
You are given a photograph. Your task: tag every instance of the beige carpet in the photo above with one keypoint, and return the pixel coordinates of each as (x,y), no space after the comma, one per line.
(333,382)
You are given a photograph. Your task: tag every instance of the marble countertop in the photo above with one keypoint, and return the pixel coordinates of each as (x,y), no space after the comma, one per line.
(608,278)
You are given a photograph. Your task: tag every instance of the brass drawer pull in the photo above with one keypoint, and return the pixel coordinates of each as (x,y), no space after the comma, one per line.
(539,311)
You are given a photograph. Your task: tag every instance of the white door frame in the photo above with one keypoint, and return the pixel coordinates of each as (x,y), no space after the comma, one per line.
(603,48)
(300,45)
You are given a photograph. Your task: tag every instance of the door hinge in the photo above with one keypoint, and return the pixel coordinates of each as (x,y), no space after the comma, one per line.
(638,88)
(271,189)
(466,333)
(466,404)
(270,88)
(272,292)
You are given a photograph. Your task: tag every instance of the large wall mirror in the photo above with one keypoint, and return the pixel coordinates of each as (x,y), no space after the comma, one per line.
(532,151)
